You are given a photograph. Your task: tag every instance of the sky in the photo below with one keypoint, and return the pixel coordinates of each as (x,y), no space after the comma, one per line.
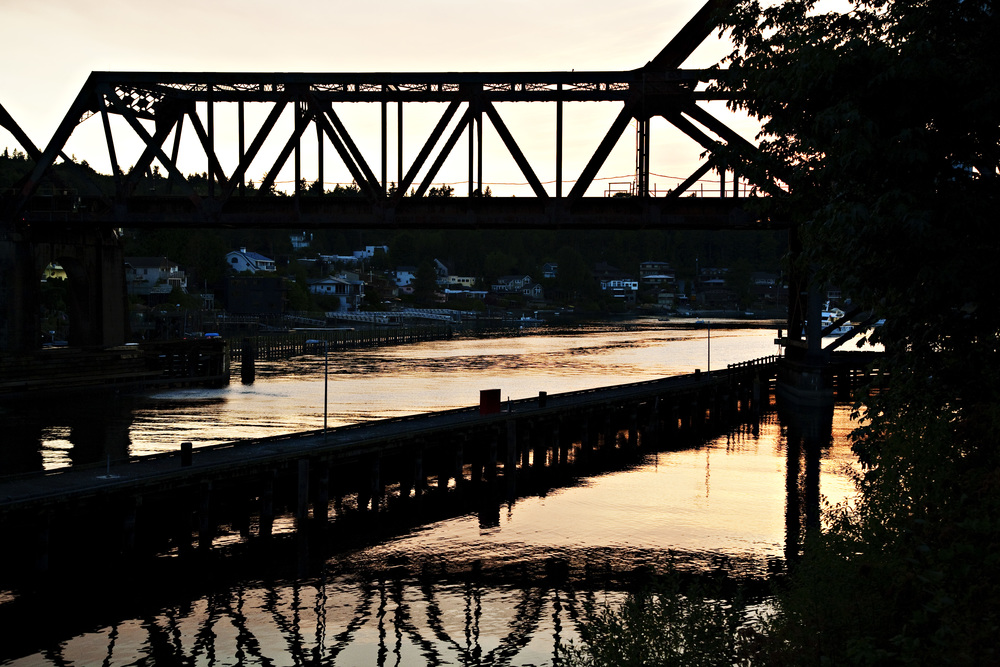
(51,47)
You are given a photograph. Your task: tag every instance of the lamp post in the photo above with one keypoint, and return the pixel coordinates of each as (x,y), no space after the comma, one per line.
(326,377)
(709,325)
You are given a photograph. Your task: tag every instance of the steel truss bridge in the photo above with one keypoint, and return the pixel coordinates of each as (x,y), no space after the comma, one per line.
(158,108)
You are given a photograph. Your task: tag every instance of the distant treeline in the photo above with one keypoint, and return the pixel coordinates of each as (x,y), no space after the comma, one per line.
(481,253)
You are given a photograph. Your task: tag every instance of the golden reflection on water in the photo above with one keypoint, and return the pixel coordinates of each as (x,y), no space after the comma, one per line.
(724,499)
(397,381)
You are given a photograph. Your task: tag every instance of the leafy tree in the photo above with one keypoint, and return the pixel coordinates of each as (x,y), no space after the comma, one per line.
(881,125)
(441,191)
(425,282)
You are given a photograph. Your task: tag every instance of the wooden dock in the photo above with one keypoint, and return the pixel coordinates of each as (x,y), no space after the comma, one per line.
(196,499)
(189,499)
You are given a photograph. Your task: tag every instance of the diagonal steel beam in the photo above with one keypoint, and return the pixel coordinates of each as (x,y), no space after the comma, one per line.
(154,149)
(374,185)
(85,101)
(691,180)
(603,151)
(283,156)
(445,151)
(258,141)
(7,122)
(425,151)
(690,36)
(734,140)
(154,142)
(515,150)
(206,143)
(344,151)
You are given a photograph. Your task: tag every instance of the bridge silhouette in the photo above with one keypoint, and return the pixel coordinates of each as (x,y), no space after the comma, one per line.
(156,109)
(78,226)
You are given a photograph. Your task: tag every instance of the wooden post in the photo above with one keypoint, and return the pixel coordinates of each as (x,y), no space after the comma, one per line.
(302,496)
(267,505)
(206,526)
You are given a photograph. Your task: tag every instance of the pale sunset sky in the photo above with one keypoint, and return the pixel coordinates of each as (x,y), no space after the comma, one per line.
(49,49)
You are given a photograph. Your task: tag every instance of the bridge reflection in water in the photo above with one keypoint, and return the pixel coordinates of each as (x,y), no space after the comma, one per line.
(488,574)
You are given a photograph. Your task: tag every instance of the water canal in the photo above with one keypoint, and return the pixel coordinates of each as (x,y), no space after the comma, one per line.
(459,580)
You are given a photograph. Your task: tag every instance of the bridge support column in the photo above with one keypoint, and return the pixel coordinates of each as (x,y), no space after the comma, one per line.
(321,504)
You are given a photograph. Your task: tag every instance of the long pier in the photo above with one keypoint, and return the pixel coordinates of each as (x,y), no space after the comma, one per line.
(196,499)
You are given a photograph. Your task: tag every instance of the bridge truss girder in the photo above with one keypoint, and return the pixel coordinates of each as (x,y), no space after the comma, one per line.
(156,106)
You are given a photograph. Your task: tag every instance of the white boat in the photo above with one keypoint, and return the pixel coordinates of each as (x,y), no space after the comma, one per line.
(831,315)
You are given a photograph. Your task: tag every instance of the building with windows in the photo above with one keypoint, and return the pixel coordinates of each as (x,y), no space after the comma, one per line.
(244,261)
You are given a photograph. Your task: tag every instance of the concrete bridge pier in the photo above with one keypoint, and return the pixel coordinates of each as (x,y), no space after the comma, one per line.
(94,264)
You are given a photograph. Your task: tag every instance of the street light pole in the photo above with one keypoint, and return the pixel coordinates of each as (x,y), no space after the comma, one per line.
(709,325)
(326,377)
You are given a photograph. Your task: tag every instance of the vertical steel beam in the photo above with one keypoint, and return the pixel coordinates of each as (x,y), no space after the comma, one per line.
(299,129)
(479,158)
(385,144)
(472,148)
(212,162)
(559,143)
(399,143)
(241,122)
(319,157)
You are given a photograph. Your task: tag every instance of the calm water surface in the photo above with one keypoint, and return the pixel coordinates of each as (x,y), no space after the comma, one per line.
(502,584)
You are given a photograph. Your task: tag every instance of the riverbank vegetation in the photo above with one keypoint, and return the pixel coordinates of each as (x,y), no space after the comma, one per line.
(881,125)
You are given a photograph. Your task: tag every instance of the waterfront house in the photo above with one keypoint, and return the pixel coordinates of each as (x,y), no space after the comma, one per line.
(153,275)
(244,261)
(510,284)
(350,292)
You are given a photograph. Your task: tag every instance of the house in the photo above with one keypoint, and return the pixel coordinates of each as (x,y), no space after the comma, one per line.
(347,289)
(370,251)
(405,275)
(300,240)
(656,274)
(467,282)
(153,275)
(243,261)
(550,270)
(651,268)
(510,284)
(616,282)
(533,291)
